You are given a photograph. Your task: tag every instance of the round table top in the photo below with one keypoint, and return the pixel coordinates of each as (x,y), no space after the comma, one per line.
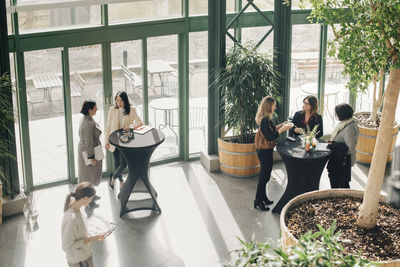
(149,139)
(295,150)
(330,89)
(171,103)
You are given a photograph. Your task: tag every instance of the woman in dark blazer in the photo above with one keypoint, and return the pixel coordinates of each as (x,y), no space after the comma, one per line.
(271,132)
(308,116)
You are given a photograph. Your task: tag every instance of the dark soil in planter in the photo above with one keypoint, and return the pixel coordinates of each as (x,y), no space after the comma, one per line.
(379,244)
(247,139)
(362,120)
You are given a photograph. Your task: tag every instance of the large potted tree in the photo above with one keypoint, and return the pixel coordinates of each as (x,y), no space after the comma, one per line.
(248,77)
(366,42)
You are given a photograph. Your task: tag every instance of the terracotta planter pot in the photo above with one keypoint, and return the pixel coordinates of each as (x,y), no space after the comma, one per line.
(288,239)
(366,143)
(238,160)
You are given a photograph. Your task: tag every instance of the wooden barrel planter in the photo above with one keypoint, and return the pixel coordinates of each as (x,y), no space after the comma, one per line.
(287,237)
(366,144)
(237,160)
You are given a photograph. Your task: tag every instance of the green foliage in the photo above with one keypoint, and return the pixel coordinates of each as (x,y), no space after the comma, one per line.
(313,249)
(6,116)
(367,36)
(249,76)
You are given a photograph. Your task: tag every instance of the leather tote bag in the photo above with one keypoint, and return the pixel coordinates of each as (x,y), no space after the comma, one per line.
(261,142)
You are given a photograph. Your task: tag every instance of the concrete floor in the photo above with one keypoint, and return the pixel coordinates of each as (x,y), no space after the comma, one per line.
(202,214)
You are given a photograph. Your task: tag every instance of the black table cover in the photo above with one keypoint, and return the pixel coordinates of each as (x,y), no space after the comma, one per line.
(303,169)
(137,152)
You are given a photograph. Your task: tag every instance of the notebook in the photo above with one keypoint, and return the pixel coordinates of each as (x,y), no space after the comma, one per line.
(322,147)
(143,129)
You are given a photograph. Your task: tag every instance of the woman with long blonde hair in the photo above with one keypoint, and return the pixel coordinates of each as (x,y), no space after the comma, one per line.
(271,132)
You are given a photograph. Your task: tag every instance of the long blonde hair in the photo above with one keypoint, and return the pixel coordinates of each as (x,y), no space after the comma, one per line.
(265,109)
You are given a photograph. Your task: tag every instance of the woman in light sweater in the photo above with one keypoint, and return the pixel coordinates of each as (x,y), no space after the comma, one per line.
(76,242)
(120,116)
(343,143)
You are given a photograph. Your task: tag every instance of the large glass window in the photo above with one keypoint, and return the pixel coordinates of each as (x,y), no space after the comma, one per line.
(44,92)
(38,19)
(304,64)
(141,10)
(261,4)
(86,82)
(198,82)
(163,90)
(335,90)
(255,34)
(198,7)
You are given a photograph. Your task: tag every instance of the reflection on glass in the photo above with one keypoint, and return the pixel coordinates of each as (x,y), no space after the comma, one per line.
(86,82)
(44,91)
(198,82)
(162,64)
(140,10)
(58,18)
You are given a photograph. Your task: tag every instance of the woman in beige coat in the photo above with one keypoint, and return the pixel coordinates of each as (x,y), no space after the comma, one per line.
(89,135)
(120,116)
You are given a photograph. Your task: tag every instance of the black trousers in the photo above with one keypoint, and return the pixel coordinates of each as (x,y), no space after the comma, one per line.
(119,163)
(342,179)
(266,161)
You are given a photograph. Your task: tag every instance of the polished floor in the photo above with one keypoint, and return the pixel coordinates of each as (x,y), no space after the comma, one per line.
(202,216)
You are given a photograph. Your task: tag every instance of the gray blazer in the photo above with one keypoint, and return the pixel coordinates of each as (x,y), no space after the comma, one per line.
(89,135)
(349,136)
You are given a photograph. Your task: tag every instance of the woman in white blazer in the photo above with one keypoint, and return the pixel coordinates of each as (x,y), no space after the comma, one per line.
(120,116)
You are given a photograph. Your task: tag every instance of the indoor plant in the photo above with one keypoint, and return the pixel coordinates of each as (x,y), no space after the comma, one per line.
(6,115)
(321,248)
(248,77)
(367,43)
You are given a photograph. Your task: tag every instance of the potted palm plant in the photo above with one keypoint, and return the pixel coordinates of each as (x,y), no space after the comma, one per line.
(6,115)
(248,77)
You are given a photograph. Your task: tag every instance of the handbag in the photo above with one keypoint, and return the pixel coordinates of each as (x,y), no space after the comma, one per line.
(263,143)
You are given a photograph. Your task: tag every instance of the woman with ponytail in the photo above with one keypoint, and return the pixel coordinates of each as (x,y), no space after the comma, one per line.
(76,242)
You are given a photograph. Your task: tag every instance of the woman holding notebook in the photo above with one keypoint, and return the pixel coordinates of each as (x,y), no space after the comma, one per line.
(90,152)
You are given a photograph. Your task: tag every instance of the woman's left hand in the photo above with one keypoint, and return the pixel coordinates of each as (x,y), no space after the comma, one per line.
(139,125)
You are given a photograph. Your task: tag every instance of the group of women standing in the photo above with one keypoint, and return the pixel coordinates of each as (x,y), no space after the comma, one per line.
(75,239)
(343,142)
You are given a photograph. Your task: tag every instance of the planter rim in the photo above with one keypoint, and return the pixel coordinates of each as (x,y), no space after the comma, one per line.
(320,195)
(223,139)
(369,112)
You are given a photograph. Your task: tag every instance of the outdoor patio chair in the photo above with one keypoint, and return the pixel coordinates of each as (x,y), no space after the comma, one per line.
(134,80)
(198,119)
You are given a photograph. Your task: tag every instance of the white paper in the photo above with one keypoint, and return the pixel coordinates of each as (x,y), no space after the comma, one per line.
(143,129)
(97,224)
(322,147)
(87,161)
(98,153)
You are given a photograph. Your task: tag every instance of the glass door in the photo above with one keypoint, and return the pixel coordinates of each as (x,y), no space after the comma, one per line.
(86,83)
(46,118)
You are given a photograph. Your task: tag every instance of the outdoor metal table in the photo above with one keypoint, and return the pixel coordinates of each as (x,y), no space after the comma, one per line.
(137,152)
(303,169)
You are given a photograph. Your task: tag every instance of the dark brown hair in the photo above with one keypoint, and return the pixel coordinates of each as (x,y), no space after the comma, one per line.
(344,111)
(313,101)
(87,105)
(124,97)
(84,189)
